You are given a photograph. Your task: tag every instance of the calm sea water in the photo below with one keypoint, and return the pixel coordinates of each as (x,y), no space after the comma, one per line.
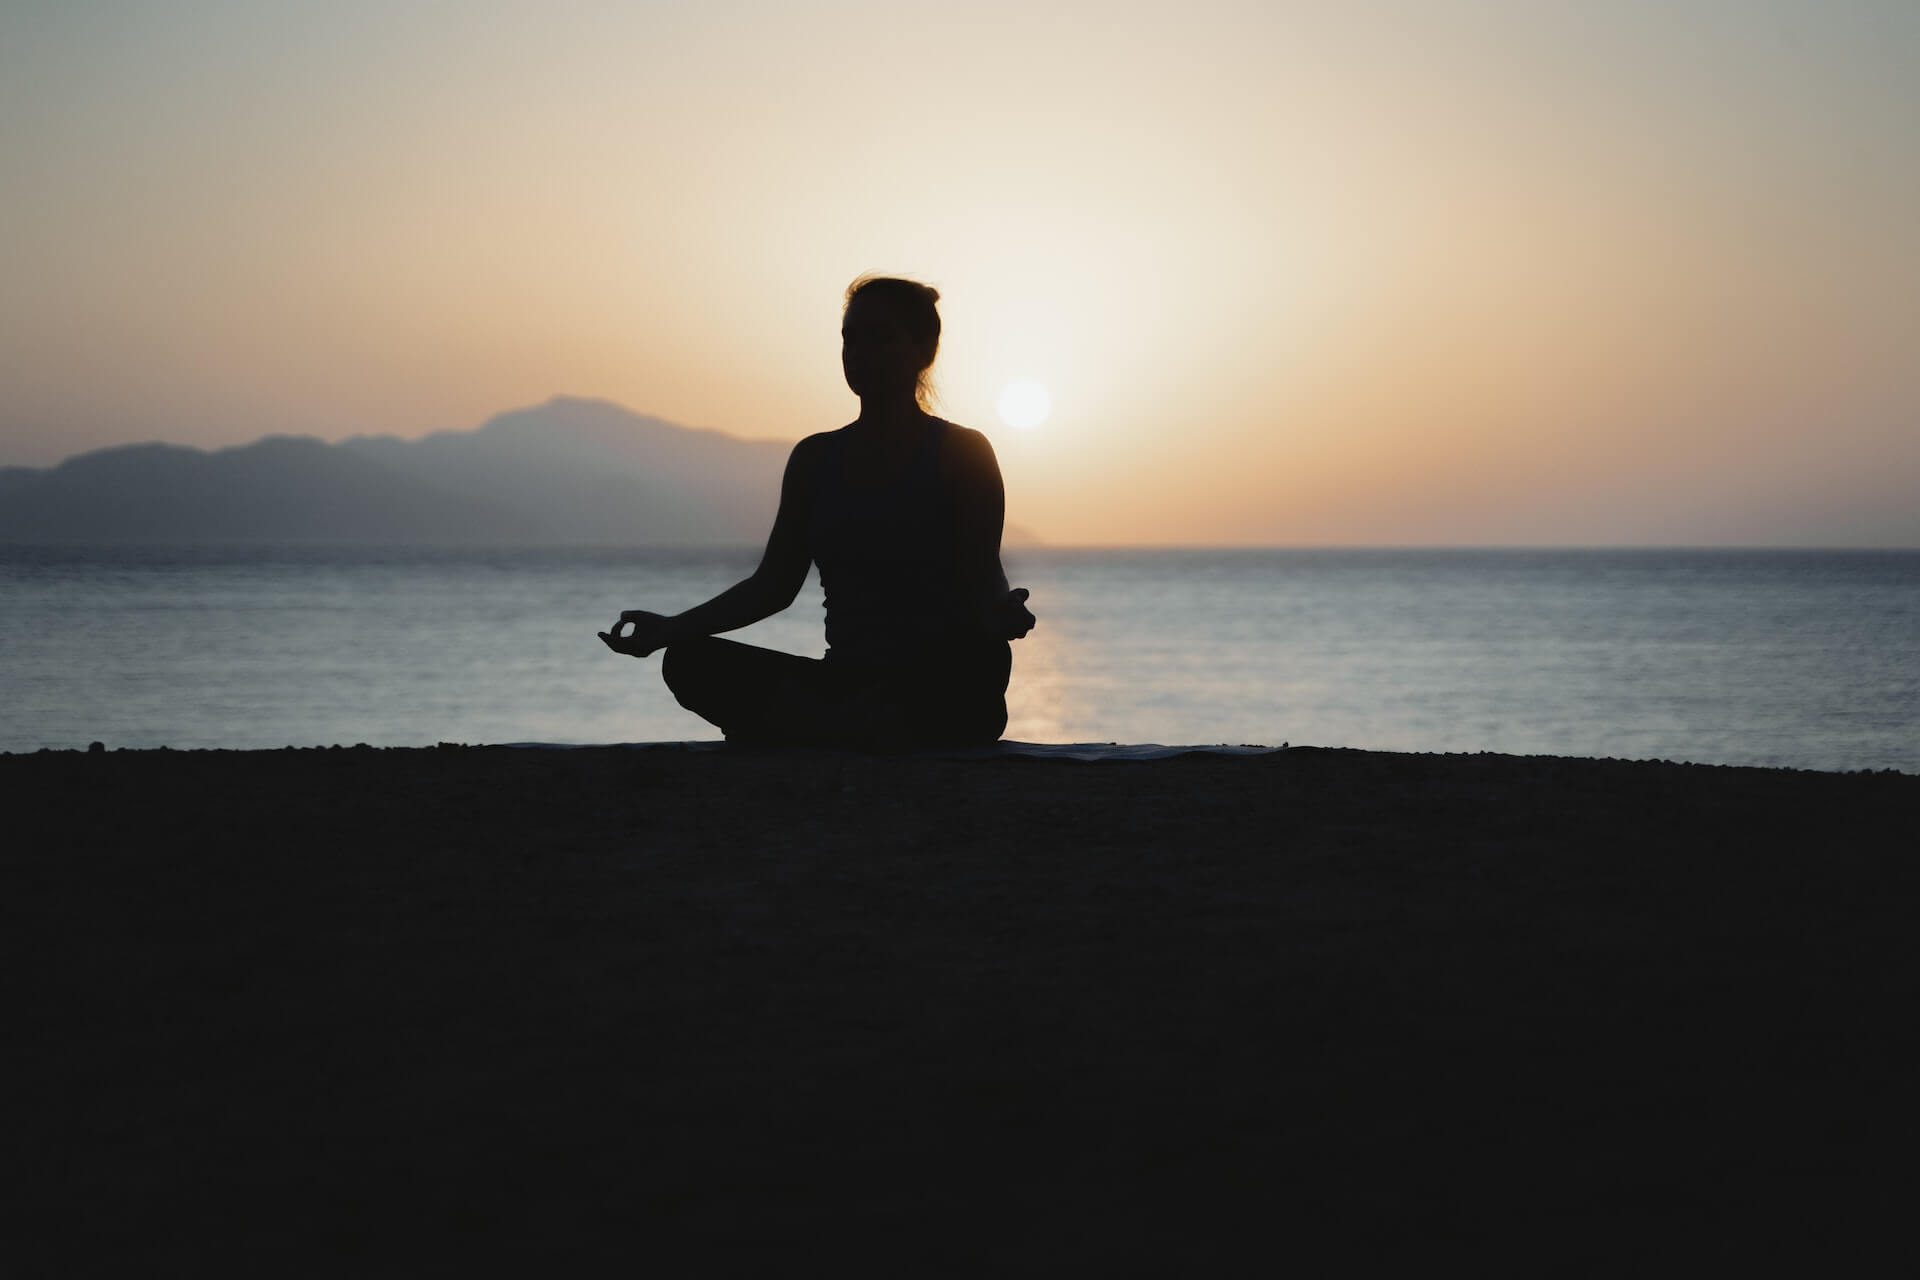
(1806,659)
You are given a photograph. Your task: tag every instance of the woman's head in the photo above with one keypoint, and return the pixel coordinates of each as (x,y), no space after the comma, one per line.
(889,335)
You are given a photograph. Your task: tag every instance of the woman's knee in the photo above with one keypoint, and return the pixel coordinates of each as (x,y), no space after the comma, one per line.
(684,664)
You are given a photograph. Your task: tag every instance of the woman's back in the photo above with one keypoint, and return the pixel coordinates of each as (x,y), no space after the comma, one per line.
(885,538)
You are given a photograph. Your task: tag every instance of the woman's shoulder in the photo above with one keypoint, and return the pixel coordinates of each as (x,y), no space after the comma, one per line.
(810,447)
(964,444)
(818,440)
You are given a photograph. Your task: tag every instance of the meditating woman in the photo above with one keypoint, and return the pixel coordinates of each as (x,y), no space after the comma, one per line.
(902,511)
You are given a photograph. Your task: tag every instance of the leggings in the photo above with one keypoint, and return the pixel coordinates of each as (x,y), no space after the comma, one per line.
(950,696)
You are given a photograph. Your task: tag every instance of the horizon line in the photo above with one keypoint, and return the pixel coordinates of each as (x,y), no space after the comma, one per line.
(480,545)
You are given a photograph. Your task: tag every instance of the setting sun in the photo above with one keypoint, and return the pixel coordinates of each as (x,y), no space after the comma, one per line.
(1025,404)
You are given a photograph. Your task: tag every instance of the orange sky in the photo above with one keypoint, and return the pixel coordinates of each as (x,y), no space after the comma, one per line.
(1414,272)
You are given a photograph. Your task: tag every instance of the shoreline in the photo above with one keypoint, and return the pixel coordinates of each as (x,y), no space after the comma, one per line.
(398,1005)
(1084,752)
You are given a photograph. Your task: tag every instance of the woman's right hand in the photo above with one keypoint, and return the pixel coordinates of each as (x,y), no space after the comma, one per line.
(650,631)
(1011,619)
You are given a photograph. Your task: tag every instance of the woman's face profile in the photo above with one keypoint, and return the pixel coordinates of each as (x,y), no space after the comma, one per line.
(877,354)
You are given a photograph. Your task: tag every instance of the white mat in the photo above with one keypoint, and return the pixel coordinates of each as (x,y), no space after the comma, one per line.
(1087,751)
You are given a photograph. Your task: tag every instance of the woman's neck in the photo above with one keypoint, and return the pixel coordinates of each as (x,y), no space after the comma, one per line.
(881,414)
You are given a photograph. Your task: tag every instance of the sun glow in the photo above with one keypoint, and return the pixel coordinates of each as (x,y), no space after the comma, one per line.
(1025,404)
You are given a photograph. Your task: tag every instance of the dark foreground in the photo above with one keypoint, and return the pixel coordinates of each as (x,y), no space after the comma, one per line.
(398,1012)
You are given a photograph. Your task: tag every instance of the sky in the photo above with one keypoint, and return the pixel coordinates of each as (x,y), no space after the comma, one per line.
(1394,273)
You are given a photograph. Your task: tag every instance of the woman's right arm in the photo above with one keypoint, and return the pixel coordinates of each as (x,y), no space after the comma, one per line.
(980,512)
(768,590)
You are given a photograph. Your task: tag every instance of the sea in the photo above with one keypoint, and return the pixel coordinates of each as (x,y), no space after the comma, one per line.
(1802,659)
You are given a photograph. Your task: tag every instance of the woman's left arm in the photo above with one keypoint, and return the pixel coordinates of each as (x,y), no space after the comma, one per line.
(980,505)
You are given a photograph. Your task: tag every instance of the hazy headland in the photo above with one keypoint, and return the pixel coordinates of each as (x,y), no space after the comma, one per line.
(568,472)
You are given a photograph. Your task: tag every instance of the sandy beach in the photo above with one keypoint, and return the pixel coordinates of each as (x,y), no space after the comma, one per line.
(392,1011)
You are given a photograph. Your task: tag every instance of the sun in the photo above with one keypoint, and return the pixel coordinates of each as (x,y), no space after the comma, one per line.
(1025,404)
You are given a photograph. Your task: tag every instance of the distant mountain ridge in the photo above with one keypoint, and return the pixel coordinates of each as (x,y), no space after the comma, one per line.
(569,471)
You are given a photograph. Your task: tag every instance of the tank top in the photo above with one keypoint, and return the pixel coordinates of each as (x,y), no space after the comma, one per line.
(887,555)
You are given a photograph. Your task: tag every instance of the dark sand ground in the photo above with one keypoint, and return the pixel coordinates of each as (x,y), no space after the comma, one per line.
(394,1012)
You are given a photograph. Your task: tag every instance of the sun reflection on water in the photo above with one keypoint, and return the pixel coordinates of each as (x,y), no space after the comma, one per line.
(1037,696)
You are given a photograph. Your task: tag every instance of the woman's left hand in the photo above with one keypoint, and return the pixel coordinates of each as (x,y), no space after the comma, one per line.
(650,631)
(1010,618)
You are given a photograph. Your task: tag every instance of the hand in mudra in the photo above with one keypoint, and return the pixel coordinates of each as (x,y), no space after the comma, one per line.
(650,631)
(1010,618)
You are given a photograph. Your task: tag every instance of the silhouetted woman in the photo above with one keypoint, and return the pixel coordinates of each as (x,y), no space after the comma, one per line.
(902,512)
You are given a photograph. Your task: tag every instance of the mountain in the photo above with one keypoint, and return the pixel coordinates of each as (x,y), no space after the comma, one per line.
(571,471)
(568,471)
(282,488)
(591,471)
